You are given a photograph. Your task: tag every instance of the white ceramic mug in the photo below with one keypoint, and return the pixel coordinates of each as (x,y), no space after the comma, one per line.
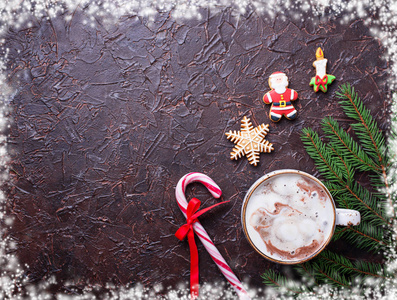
(289,216)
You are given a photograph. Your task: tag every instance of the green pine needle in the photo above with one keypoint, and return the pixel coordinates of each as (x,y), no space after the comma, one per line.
(330,166)
(364,236)
(348,267)
(276,280)
(364,201)
(347,148)
(367,130)
(339,161)
(328,274)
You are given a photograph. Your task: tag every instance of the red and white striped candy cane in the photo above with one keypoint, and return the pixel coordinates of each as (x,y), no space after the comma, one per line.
(200,231)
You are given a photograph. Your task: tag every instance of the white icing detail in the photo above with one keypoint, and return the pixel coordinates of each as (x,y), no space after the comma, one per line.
(291,113)
(269,97)
(283,108)
(321,66)
(277,74)
(280,89)
(274,114)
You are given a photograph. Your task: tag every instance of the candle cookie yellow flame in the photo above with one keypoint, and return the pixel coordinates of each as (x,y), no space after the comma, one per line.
(319,53)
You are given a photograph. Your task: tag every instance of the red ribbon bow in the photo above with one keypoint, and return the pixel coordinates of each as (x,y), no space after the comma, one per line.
(187,230)
(321,81)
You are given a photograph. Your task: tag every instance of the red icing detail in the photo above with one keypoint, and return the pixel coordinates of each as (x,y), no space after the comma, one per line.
(277,73)
(321,82)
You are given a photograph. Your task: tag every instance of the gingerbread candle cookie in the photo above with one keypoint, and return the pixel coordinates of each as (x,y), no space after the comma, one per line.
(322,79)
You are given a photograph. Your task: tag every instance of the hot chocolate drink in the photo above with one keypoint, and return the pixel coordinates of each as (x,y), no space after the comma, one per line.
(290,217)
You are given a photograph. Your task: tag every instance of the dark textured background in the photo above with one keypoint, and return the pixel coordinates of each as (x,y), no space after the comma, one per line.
(107,119)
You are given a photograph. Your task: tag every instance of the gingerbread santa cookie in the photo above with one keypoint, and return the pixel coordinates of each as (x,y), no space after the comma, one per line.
(322,79)
(280,97)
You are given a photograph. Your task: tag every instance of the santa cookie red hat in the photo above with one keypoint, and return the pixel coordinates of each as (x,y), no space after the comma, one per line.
(277,74)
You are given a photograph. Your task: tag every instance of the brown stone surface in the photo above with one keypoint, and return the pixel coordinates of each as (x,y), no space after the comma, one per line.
(107,119)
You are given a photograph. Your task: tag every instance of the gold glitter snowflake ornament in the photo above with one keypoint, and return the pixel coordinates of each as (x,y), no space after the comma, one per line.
(249,141)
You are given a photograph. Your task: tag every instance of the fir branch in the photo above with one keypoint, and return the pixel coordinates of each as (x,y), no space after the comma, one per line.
(306,271)
(271,278)
(383,192)
(346,266)
(364,201)
(328,274)
(347,147)
(347,167)
(359,193)
(363,236)
(367,131)
(371,269)
(338,161)
(337,191)
(378,183)
(332,169)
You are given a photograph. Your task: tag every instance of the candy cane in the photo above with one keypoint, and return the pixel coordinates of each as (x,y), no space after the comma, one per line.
(200,231)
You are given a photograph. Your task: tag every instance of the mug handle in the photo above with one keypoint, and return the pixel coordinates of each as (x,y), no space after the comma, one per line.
(347,217)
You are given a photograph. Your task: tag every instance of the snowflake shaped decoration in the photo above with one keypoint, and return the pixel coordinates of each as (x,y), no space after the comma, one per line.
(249,141)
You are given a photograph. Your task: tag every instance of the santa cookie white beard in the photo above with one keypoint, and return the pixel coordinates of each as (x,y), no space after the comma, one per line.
(279,87)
